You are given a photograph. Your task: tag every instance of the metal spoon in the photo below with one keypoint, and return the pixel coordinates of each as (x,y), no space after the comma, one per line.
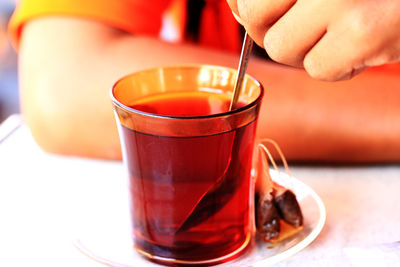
(224,187)
(244,59)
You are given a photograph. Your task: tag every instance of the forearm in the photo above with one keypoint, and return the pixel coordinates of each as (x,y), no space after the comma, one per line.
(355,121)
(65,83)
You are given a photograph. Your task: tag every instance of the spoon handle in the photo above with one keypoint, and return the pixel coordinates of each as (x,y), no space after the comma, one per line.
(244,59)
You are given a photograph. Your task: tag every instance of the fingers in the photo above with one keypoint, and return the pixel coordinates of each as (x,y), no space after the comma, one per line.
(258,15)
(279,26)
(332,40)
(350,45)
(330,60)
(296,32)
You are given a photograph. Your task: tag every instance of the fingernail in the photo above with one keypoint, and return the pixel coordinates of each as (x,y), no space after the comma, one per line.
(237,18)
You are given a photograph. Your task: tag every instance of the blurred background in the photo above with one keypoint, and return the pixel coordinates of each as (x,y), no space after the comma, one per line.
(8,65)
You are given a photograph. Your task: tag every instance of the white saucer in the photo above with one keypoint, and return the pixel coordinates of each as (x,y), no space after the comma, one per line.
(106,237)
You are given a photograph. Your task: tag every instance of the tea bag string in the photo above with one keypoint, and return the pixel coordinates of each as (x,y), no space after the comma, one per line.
(244,59)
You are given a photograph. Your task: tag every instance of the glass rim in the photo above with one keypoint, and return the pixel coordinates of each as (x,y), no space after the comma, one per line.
(117,103)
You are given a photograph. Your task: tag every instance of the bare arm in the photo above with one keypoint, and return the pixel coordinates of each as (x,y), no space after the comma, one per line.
(67,67)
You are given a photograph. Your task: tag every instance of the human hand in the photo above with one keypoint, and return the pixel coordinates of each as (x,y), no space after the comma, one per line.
(332,40)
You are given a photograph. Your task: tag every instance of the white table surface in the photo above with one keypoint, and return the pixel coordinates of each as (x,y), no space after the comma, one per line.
(46,200)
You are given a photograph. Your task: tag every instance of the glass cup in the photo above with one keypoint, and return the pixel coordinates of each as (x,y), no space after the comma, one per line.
(189,172)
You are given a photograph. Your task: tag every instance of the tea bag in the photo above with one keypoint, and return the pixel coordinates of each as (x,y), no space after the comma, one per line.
(223,190)
(273,202)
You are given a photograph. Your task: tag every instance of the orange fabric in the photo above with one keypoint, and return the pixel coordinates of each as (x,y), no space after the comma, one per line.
(135,16)
(218,27)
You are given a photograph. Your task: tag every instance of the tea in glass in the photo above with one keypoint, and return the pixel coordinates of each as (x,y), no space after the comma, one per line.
(189,161)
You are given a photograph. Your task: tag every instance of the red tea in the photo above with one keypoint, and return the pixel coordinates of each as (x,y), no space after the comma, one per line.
(174,215)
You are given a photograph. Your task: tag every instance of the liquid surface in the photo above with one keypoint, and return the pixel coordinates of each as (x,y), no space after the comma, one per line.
(185,104)
(170,175)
